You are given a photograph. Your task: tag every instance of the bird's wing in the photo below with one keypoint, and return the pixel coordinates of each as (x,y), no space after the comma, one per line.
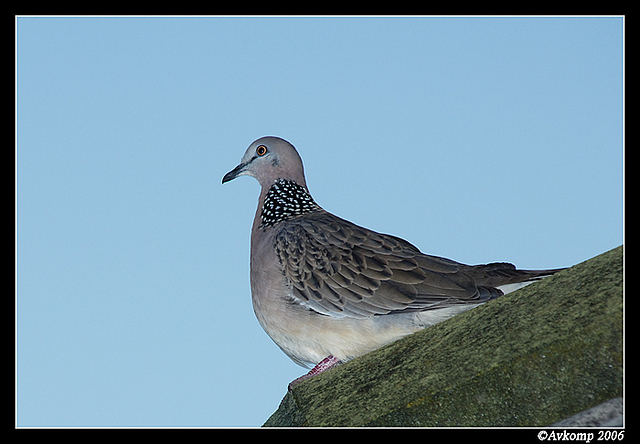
(338,268)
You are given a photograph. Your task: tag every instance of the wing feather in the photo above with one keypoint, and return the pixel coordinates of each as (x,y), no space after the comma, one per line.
(338,268)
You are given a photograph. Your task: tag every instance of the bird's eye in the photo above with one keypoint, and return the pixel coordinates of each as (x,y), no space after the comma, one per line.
(261,150)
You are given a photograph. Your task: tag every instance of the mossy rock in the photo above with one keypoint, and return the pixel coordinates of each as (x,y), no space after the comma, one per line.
(530,358)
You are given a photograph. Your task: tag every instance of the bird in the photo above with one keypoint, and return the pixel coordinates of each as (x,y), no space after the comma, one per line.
(326,290)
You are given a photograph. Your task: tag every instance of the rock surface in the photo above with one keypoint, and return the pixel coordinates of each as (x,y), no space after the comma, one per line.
(532,358)
(607,414)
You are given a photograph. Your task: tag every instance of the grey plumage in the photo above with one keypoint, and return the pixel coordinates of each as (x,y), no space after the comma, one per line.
(323,286)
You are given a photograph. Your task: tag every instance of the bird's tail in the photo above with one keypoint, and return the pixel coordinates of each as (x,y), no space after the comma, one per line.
(506,277)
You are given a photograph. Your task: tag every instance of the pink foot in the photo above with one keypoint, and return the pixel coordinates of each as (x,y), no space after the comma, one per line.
(325,364)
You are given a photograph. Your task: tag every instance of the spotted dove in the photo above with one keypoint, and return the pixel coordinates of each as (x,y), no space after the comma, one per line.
(327,290)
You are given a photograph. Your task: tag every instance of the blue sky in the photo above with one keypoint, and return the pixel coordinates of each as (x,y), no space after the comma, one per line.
(478,139)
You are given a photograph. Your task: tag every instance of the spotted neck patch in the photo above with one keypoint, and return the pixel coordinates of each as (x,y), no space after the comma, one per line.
(284,200)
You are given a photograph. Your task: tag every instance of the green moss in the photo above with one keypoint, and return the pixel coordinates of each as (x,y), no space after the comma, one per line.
(530,358)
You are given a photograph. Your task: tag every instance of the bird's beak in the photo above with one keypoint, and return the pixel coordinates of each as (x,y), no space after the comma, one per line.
(237,171)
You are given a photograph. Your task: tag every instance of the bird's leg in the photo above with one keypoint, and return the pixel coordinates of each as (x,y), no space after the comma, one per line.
(325,364)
